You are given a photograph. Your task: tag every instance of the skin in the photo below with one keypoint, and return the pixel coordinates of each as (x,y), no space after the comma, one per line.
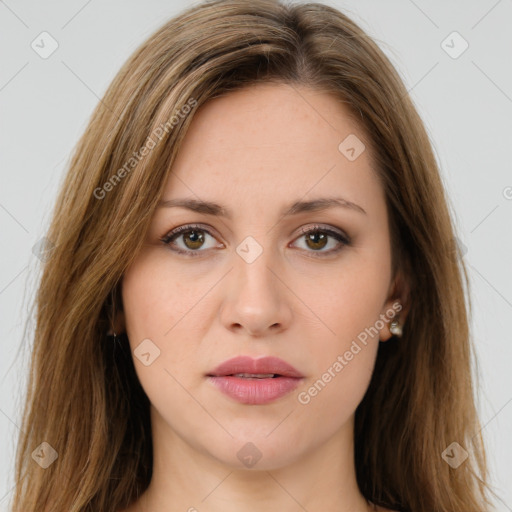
(256,151)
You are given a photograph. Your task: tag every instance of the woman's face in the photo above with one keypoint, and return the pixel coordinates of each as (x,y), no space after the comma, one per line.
(252,283)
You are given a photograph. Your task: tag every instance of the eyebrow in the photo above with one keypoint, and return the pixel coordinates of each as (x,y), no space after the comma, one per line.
(212,208)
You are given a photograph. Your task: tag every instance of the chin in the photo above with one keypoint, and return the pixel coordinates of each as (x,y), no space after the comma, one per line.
(255,451)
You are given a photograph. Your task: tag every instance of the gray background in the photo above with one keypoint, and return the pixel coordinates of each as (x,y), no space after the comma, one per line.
(466,103)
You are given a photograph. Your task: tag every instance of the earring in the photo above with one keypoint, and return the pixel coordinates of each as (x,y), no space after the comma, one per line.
(395,328)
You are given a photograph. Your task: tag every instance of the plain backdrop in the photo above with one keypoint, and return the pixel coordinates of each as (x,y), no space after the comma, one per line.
(461,84)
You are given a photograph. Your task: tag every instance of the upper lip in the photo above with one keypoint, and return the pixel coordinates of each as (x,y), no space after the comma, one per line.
(263,365)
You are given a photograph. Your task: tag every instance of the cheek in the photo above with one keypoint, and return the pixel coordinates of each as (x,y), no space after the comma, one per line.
(158,303)
(331,399)
(346,299)
(157,296)
(166,303)
(348,303)
(343,356)
(364,286)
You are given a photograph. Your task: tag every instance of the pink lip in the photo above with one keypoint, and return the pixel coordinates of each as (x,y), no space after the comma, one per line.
(255,391)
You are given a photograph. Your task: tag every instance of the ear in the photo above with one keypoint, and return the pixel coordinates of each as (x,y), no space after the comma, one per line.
(396,307)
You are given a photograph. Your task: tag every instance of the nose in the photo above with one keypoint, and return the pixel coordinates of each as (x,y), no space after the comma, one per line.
(257,298)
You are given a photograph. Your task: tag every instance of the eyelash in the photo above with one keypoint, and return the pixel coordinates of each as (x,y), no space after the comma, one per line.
(175,233)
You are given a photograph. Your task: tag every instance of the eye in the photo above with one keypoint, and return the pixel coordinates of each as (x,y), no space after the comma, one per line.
(316,238)
(193,238)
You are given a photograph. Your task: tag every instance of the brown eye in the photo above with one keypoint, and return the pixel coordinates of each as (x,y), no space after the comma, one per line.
(317,238)
(189,240)
(193,239)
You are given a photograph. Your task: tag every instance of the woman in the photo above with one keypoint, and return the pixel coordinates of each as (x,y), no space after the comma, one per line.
(254,300)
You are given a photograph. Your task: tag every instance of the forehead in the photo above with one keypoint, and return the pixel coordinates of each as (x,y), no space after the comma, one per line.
(266,140)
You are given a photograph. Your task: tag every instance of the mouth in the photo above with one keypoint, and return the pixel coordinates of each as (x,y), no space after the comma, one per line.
(255,381)
(262,368)
(255,376)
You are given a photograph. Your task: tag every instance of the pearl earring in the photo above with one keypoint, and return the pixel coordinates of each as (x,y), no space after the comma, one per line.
(395,328)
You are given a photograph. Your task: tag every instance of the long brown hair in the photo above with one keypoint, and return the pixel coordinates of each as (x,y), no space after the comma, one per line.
(83,396)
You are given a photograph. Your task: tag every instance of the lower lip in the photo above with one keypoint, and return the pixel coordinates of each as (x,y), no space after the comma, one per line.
(255,391)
